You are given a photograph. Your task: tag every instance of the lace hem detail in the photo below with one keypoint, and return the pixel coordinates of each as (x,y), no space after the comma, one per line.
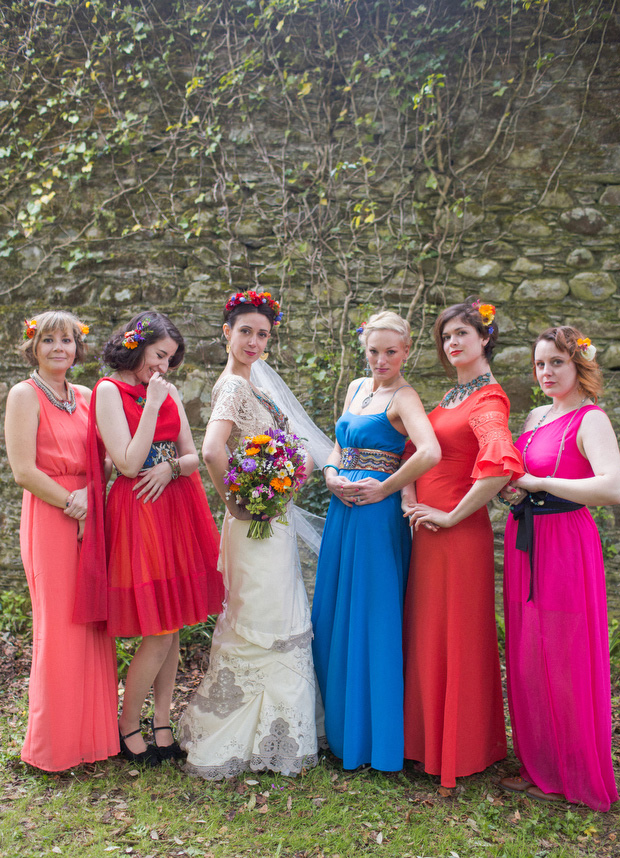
(302,641)
(258,763)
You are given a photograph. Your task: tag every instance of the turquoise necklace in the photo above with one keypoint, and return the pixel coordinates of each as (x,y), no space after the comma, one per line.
(461,391)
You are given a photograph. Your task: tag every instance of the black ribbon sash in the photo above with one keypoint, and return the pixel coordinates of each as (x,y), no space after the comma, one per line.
(537,503)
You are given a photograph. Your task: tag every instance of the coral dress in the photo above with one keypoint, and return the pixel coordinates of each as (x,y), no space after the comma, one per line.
(557,648)
(73,686)
(358,609)
(162,555)
(454,714)
(255,707)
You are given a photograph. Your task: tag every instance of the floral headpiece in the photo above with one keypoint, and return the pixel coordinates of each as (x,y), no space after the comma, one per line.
(487,311)
(31,328)
(84,330)
(132,338)
(360,330)
(256,298)
(584,345)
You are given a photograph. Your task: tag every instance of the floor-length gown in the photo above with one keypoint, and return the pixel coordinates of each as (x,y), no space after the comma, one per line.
(255,707)
(358,608)
(161,555)
(454,714)
(73,686)
(557,649)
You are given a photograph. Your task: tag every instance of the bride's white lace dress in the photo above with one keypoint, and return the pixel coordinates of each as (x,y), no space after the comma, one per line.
(255,707)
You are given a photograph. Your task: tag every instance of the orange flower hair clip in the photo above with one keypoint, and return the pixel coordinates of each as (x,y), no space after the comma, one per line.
(84,330)
(584,345)
(31,328)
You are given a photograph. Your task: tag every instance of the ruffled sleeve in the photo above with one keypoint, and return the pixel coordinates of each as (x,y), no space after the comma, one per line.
(497,455)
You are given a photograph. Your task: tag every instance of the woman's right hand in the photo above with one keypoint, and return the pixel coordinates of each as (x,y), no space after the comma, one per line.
(77,504)
(339,486)
(239,512)
(158,389)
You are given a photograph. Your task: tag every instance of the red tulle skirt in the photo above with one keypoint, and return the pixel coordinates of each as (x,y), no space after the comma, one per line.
(162,559)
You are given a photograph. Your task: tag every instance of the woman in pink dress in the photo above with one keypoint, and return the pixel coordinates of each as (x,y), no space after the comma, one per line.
(72,692)
(557,649)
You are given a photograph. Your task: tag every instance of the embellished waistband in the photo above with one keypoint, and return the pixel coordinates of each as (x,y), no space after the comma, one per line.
(352,458)
(161,451)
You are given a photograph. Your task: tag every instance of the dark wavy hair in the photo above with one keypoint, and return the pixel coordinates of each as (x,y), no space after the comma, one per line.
(231,316)
(589,373)
(468,312)
(155,326)
(47,323)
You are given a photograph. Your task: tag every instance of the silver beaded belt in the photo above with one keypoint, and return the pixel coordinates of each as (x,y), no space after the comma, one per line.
(352,459)
(161,451)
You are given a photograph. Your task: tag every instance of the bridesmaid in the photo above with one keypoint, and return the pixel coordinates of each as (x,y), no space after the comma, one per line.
(73,686)
(454,712)
(557,648)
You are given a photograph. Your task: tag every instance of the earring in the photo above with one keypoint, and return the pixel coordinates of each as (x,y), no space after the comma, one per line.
(368,371)
(264,356)
(227,348)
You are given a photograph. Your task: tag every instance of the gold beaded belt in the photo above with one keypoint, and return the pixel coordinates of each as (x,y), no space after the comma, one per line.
(352,459)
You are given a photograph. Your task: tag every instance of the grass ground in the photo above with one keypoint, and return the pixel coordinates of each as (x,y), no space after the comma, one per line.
(113,809)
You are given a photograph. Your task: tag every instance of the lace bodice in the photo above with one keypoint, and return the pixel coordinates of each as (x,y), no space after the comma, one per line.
(233,398)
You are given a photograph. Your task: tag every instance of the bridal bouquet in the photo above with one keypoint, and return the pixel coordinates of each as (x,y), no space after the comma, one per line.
(265,473)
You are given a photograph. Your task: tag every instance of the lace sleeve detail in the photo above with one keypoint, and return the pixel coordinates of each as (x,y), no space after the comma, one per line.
(232,399)
(497,455)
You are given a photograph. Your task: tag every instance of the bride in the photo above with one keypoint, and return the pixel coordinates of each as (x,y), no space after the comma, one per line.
(255,707)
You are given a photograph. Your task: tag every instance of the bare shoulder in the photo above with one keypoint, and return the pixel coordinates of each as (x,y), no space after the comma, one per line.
(85,391)
(596,419)
(22,393)
(534,417)
(108,392)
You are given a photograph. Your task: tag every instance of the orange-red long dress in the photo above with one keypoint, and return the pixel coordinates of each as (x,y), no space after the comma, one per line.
(73,685)
(454,714)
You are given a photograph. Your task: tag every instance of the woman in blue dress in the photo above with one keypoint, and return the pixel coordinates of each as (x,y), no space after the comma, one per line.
(364,557)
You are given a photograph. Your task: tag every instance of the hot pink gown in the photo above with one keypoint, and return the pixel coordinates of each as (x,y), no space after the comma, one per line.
(72,713)
(557,649)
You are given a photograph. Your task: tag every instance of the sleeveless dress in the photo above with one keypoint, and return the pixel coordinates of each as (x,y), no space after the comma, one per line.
(358,610)
(255,707)
(557,648)
(73,684)
(454,713)
(161,556)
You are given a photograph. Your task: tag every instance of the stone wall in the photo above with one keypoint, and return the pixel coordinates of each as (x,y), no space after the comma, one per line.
(345,156)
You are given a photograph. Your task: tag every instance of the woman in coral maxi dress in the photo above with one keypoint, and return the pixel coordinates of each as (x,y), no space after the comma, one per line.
(159,536)
(73,687)
(454,715)
(557,648)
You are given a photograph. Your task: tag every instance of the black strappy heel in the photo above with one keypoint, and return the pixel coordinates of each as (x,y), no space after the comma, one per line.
(149,758)
(167,752)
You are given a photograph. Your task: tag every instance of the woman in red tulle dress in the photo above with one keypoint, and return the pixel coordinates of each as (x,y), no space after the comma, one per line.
(160,539)
(454,714)
(72,696)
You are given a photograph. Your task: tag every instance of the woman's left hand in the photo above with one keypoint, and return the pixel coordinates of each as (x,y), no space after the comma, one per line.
(431,518)
(154,481)
(363,492)
(77,504)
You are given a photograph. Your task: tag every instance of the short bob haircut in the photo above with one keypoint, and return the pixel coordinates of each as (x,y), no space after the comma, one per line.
(47,323)
(589,375)
(468,312)
(231,316)
(155,326)
(386,320)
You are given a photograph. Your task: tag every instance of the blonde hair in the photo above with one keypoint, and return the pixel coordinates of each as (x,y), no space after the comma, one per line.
(47,323)
(386,320)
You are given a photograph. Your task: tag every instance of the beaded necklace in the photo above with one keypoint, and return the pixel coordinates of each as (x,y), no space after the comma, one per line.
(281,420)
(540,423)
(461,391)
(69,405)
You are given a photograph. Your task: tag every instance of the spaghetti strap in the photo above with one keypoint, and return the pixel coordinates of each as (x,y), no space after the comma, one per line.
(393,395)
(356,392)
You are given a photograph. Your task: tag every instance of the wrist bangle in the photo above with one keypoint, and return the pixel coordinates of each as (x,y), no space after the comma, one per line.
(175,468)
(325,467)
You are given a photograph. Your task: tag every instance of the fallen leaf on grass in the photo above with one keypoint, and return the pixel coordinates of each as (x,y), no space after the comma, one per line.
(445,792)
(380,838)
(133,773)
(289,803)
(263,809)
(154,835)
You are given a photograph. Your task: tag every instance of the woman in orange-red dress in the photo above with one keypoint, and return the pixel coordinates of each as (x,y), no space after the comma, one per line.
(454,715)
(73,687)
(160,539)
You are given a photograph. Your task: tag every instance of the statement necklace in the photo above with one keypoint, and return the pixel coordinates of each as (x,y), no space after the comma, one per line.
(68,405)
(280,419)
(461,391)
